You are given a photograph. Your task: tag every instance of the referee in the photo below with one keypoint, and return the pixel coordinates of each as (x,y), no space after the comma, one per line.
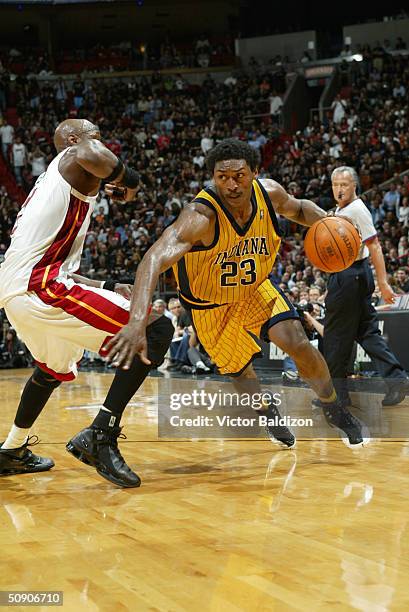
(350,315)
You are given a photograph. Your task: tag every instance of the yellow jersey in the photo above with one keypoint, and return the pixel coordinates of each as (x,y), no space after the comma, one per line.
(239,258)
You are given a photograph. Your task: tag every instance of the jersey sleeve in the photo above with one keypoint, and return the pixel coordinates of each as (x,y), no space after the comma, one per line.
(363,218)
(360,215)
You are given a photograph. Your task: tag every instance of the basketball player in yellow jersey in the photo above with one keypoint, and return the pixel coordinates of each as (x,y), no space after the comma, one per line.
(222,248)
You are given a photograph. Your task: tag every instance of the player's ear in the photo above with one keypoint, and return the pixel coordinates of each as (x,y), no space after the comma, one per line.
(73,139)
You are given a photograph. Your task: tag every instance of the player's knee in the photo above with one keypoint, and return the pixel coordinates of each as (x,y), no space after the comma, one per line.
(44,379)
(299,347)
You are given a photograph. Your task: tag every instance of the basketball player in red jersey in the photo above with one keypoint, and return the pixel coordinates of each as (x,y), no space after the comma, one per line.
(58,314)
(222,248)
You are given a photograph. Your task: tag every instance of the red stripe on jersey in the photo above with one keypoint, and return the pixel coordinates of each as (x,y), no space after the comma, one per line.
(57,375)
(86,306)
(49,265)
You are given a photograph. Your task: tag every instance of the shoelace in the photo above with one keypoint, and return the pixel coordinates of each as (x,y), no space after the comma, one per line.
(32,441)
(112,441)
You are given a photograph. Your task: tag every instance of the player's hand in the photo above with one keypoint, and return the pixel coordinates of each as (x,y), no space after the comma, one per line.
(128,342)
(120,194)
(124,289)
(387,293)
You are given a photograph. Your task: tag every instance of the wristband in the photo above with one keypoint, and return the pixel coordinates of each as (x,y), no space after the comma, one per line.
(115,173)
(109,285)
(130,178)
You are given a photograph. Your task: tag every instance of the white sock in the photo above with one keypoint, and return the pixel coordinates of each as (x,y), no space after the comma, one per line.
(16,438)
(202,366)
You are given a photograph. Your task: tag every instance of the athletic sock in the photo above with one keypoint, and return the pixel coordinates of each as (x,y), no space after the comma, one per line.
(16,438)
(329,400)
(106,419)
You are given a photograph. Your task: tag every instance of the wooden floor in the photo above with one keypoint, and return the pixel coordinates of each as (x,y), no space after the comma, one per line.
(217,525)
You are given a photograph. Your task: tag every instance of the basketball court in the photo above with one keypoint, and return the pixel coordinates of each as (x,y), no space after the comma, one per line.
(218,524)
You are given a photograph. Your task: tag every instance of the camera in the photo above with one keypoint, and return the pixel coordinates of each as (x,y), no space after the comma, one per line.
(301,309)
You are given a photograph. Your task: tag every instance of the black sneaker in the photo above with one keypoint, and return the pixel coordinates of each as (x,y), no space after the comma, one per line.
(397,393)
(278,434)
(355,433)
(22,461)
(99,448)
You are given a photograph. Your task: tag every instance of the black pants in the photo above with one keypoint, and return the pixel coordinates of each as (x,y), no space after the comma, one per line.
(351,317)
(159,335)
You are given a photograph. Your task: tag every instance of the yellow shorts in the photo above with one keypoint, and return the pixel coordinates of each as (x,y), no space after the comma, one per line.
(228,332)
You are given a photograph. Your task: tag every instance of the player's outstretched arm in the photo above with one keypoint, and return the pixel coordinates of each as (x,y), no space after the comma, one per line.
(195,224)
(303,212)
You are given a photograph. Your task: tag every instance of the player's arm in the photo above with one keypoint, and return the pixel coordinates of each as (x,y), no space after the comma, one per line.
(375,251)
(96,159)
(123,289)
(195,225)
(303,212)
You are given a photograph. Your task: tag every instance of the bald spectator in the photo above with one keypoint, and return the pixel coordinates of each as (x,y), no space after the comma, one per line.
(159,306)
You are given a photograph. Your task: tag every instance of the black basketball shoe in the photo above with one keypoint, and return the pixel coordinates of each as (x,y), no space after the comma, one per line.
(397,392)
(353,432)
(99,448)
(278,434)
(22,461)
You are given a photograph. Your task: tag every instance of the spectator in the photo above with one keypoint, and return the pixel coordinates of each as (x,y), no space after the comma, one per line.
(207,141)
(13,353)
(276,104)
(38,163)
(403,215)
(159,306)
(197,356)
(391,200)
(306,57)
(7,137)
(402,280)
(338,107)
(180,344)
(19,159)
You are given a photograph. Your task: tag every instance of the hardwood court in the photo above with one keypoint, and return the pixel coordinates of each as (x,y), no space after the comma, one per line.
(217,525)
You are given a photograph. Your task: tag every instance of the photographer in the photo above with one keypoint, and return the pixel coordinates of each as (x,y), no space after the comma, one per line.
(311,316)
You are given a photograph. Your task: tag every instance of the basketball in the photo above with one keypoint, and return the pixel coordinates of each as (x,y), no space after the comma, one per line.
(332,244)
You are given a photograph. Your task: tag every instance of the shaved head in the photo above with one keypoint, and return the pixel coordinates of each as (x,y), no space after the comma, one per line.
(70,131)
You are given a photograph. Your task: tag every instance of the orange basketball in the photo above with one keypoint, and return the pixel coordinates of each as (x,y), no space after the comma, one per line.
(332,244)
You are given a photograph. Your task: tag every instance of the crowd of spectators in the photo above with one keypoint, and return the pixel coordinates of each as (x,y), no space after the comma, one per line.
(163,125)
(202,52)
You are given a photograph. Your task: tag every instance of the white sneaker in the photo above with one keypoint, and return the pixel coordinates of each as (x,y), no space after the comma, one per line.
(201,366)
